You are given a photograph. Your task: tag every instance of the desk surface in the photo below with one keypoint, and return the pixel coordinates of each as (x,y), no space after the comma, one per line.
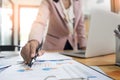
(106,63)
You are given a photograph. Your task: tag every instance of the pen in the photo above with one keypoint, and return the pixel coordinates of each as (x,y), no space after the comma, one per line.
(119,28)
(36,55)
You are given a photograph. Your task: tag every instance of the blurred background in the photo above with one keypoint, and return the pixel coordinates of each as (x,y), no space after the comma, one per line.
(17,16)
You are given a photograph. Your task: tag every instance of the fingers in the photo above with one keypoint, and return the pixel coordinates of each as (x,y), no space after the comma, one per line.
(29,51)
(41,52)
(25,53)
(33,48)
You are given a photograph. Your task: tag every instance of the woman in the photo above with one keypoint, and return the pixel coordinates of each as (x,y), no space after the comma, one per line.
(66,29)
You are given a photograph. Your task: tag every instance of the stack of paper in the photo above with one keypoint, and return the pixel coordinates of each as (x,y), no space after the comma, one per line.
(8,58)
(52,67)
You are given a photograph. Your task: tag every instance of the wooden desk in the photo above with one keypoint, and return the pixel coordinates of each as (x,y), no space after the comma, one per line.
(106,63)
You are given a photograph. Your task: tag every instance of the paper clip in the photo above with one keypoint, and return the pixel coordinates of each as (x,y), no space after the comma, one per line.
(48,77)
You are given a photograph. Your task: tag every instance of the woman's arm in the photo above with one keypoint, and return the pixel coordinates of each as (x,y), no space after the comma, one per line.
(39,25)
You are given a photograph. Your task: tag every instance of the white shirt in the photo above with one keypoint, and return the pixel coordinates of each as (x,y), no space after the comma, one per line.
(69,15)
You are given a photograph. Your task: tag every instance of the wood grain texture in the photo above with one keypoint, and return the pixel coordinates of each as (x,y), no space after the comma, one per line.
(106,63)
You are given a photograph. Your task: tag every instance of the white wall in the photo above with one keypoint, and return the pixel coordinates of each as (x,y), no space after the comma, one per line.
(27,2)
(89,5)
(17,3)
(6,4)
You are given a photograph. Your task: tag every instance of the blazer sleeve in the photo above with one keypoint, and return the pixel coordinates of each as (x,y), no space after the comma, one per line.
(39,25)
(81,32)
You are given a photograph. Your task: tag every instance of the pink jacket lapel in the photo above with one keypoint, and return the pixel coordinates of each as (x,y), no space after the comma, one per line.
(77,10)
(59,9)
(76,4)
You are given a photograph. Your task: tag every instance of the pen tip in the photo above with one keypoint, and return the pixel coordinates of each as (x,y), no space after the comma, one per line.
(30,65)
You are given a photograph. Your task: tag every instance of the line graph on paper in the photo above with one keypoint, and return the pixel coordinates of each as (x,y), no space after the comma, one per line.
(50,64)
(45,65)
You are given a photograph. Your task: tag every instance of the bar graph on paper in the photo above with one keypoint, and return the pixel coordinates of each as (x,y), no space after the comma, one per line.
(57,69)
(63,69)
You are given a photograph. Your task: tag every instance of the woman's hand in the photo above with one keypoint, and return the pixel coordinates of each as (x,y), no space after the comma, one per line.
(29,51)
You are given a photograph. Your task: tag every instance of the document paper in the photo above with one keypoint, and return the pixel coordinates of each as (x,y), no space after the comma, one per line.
(59,69)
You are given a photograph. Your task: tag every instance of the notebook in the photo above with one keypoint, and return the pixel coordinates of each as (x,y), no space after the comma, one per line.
(101,38)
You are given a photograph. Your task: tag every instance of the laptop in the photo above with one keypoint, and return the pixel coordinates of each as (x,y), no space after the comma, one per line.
(101,37)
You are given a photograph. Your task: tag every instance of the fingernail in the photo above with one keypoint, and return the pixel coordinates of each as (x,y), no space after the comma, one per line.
(32,55)
(40,54)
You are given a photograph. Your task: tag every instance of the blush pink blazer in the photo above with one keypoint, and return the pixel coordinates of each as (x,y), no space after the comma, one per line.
(58,32)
